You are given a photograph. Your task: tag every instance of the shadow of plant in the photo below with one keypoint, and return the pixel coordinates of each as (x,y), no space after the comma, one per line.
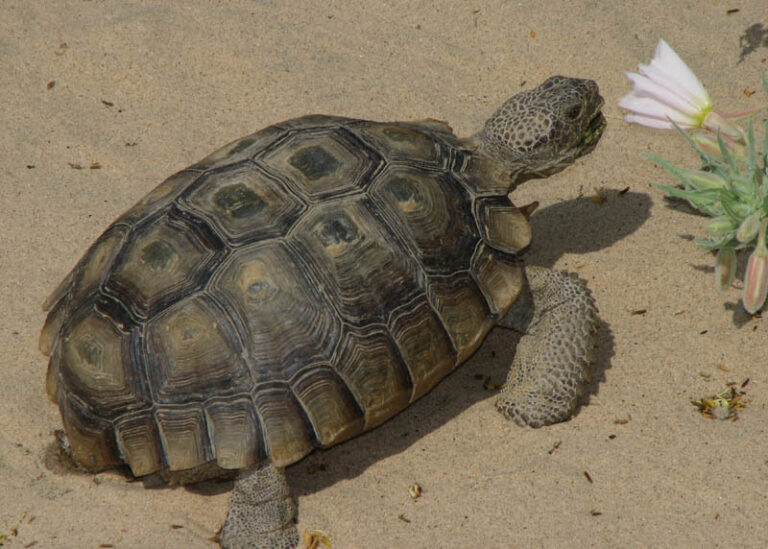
(754,37)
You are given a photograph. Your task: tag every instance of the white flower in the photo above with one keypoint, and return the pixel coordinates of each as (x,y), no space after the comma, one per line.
(666,91)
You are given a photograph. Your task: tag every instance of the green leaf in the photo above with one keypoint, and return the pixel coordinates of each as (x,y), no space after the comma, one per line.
(704,156)
(706,201)
(725,152)
(751,163)
(691,179)
(735,209)
(745,191)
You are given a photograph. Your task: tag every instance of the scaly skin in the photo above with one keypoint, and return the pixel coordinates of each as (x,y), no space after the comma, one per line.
(551,364)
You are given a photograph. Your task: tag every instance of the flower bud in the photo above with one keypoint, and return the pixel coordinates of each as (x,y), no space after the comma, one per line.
(708,143)
(748,228)
(714,121)
(756,277)
(721,226)
(701,180)
(725,268)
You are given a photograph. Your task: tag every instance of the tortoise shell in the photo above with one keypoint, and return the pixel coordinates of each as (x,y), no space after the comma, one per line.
(292,290)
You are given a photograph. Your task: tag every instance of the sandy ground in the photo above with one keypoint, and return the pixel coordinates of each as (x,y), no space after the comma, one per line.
(145,89)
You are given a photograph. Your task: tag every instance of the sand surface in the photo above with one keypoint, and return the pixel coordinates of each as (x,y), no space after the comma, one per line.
(147,88)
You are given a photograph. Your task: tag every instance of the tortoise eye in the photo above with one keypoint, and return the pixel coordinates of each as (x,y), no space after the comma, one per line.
(573,112)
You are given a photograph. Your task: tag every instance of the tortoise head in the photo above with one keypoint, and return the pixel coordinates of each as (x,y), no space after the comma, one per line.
(541,131)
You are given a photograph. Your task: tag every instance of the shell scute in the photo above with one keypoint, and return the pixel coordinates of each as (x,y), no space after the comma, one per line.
(363,271)
(184,436)
(244,203)
(463,310)
(160,264)
(237,435)
(321,163)
(284,321)
(286,432)
(195,354)
(424,344)
(95,360)
(139,444)
(370,363)
(330,407)
(431,213)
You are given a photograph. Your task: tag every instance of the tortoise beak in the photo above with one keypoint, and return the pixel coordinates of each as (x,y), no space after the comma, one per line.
(595,126)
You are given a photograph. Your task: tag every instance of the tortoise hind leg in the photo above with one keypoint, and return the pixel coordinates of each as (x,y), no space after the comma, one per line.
(558,318)
(261,512)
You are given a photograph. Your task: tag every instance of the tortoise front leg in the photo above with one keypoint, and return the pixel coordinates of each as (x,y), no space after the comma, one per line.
(558,318)
(261,512)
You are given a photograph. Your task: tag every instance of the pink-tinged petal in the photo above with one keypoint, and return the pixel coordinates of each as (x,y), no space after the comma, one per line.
(756,275)
(666,60)
(645,87)
(650,108)
(714,121)
(667,90)
(755,282)
(668,81)
(648,122)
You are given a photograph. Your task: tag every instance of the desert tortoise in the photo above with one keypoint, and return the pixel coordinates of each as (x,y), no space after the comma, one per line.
(306,283)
